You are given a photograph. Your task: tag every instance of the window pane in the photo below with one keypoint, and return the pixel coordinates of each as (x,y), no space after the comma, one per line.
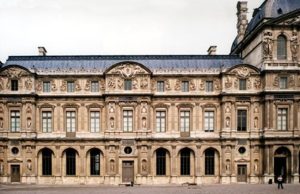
(46,162)
(46,121)
(46,86)
(242,84)
(94,86)
(71,121)
(281,47)
(209,162)
(185,86)
(95,121)
(209,86)
(160,162)
(160,86)
(15,121)
(127,120)
(127,84)
(14,85)
(242,120)
(185,121)
(70,87)
(160,121)
(282,119)
(185,162)
(283,83)
(209,121)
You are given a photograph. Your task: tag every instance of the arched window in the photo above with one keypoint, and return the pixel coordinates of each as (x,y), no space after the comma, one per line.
(185,162)
(209,162)
(161,162)
(95,162)
(281,47)
(70,162)
(47,162)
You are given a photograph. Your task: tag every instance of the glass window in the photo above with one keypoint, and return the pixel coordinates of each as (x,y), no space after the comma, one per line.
(71,121)
(281,47)
(184,86)
(209,121)
(160,162)
(209,86)
(185,163)
(46,86)
(160,86)
(160,121)
(242,120)
(70,162)
(283,83)
(14,85)
(184,121)
(15,121)
(94,86)
(127,120)
(242,84)
(70,86)
(209,162)
(95,162)
(127,84)
(47,162)
(95,121)
(47,121)
(282,119)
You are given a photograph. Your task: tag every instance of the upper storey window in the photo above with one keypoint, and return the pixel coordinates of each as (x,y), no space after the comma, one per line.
(160,86)
(242,84)
(281,47)
(46,86)
(283,83)
(184,86)
(14,85)
(94,86)
(241,120)
(209,86)
(70,86)
(127,120)
(15,121)
(127,84)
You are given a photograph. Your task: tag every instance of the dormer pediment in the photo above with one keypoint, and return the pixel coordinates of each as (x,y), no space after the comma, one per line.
(14,72)
(128,70)
(243,71)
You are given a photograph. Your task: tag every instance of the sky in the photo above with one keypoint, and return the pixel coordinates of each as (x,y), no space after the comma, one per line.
(117,27)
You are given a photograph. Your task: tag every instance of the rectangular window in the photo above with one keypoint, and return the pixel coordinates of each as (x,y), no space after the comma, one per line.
(46,86)
(47,121)
(94,86)
(209,121)
(282,118)
(70,86)
(184,121)
(160,121)
(71,121)
(14,85)
(15,121)
(184,86)
(95,121)
(127,84)
(209,86)
(127,120)
(160,86)
(242,120)
(283,83)
(242,84)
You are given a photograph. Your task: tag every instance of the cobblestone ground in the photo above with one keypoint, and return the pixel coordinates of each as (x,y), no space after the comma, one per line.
(205,189)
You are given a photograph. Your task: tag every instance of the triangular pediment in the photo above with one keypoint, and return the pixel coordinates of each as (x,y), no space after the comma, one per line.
(128,69)
(14,161)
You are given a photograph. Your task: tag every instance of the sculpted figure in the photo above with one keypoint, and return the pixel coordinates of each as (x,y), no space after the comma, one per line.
(268,45)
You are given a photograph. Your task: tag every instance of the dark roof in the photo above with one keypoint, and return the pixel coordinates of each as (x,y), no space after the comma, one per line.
(88,64)
(269,9)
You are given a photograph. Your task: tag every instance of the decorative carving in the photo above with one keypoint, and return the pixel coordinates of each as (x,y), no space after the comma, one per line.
(217,84)
(292,21)
(227,109)
(87,85)
(276,81)
(39,86)
(135,84)
(292,81)
(144,83)
(178,85)
(192,85)
(28,84)
(236,83)
(63,86)
(77,86)
(227,166)
(168,86)
(268,45)
(255,122)
(53,86)
(144,108)
(102,84)
(15,73)
(242,72)
(128,70)
(249,85)
(1,123)
(294,45)
(255,167)
(120,83)
(144,166)
(28,109)
(1,167)
(1,84)
(28,122)
(227,122)
(111,83)
(257,83)
(112,122)
(202,85)
(144,123)
(111,108)
(228,83)
(112,166)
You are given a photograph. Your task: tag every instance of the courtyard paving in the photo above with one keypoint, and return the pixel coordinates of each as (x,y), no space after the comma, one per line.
(203,189)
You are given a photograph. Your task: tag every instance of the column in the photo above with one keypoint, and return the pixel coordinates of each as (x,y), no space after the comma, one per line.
(271,160)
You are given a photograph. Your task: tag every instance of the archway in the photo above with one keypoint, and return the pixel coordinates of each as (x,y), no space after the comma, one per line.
(282,164)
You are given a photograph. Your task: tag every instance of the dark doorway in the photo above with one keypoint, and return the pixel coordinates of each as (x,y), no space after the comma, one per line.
(282,164)
(127,172)
(15,173)
(242,173)
(280,168)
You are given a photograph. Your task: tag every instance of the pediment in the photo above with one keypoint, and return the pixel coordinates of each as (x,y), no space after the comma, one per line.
(128,70)
(293,20)
(243,71)
(14,161)
(14,72)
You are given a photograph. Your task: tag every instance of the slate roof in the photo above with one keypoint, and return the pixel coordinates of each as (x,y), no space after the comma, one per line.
(98,64)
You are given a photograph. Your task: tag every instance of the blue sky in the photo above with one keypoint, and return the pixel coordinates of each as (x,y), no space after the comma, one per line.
(80,27)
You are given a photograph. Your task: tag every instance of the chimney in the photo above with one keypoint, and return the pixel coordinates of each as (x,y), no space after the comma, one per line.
(242,21)
(212,50)
(42,51)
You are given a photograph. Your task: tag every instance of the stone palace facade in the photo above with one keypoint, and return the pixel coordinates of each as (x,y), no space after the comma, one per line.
(159,119)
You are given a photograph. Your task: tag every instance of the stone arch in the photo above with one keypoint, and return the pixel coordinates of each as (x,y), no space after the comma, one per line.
(127,62)
(161,162)
(186,161)
(211,156)
(40,161)
(94,165)
(282,163)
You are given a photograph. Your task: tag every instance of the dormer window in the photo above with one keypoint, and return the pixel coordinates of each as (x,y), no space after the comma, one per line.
(127,84)
(184,86)
(242,84)
(14,85)
(209,86)
(281,47)
(160,86)
(283,83)
(94,86)
(70,86)
(46,86)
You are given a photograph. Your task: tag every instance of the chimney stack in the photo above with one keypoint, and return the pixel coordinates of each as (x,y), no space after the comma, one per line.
(242,21)
(42,51)
(212,50)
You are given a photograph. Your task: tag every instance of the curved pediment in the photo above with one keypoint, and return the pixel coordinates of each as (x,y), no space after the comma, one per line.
(243,70)
(14,71)
(128,69)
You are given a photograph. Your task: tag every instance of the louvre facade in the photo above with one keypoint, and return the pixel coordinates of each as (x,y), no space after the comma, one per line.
(159,119)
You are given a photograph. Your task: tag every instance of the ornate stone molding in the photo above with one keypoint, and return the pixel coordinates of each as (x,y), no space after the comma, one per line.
(128,70)
(268,45)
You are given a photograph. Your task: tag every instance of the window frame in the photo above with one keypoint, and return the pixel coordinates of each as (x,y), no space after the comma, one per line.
(127,119)
(209,117)
(161,162)
(48,88)
(209,161)
(160,118)
(47,162)
(75,120)
(280,120)
(128,84)
(70,163)
(14,85)
(71,86)
(282,47)
(242,84)
(94,162)
(15,120)
(47,118)
(95,86)
(185,86)
(95,130)
(184,118)
(185,162)
(209,86)
(160,86)
(283,82)
(241,128)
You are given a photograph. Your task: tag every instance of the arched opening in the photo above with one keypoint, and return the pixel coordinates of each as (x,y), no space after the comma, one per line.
(281,47)
(95,161)
(70,164)
(186,162)
(46,162)
(210,162)
(282,164)
(162,162)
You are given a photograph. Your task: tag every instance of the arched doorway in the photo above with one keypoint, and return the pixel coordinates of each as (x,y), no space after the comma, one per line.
(282,164)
